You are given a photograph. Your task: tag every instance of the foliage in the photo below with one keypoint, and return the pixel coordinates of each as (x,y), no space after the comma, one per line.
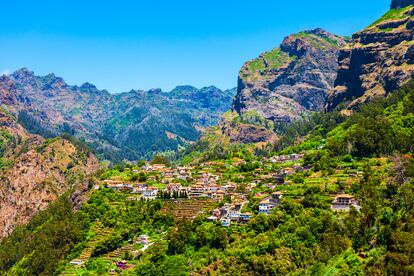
(39,247)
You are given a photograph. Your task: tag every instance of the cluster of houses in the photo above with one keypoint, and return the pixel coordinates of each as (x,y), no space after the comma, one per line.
(230,213)
(206,183)
(285,158)
(146,192)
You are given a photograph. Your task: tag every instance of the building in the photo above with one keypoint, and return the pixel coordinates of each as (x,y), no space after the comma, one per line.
(269,203)
(275,198)
(122,264)
(212,218)
(234,215)
(344,202)
(150,193)
(265,207)
(225,222)
(245,217)
(143,239)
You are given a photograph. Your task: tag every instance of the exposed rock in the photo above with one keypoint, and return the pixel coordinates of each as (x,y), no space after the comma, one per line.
(247,133)
(378,60)
(398,4)
(35,172)
(291,80)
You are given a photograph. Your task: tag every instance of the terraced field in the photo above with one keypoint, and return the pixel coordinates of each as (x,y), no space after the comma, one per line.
(188,209)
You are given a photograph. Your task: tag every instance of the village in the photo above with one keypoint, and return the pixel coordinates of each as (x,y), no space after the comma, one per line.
(227,194)
(229,185)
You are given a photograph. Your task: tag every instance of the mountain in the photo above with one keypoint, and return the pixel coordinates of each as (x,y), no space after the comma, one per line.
(291,80)
(378,60)
(130,125)
(35,172)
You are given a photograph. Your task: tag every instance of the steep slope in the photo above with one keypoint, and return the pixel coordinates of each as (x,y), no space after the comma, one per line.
(129,125)
(291,80)
(35,172)
(378,60)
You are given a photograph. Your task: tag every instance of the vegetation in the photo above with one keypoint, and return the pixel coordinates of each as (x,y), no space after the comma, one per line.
(275,58)
(39,247)
(393,14)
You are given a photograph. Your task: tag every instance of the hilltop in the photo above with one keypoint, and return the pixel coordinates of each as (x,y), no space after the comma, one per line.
(290,81)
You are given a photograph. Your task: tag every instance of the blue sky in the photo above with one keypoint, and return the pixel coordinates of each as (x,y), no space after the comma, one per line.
(123,45)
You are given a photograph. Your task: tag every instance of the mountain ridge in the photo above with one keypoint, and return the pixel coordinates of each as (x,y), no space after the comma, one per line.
(95,115)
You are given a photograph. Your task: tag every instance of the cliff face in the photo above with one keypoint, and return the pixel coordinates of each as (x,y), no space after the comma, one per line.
(35,172)
(130,125)
(398,4)
(284,83)
(378,60)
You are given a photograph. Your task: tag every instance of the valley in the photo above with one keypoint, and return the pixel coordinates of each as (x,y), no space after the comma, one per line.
(306,168)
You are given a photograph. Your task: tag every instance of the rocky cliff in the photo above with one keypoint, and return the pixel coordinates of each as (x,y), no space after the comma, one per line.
(398,4)
(290,80)
(378,60)
(35,172)
(129,125)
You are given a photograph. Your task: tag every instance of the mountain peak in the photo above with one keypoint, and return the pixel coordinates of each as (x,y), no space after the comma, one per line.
(23,73)
(87,86)
(184,88)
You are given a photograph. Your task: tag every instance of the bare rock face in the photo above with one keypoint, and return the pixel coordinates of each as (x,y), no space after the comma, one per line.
(246,133)
(35,172)
(291,80)
(398,4)
(378,60)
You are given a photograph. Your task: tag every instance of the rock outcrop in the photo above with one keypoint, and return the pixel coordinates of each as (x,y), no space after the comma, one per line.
(246,133)
(35,172)
(378,60)
(398,4)
(291,80)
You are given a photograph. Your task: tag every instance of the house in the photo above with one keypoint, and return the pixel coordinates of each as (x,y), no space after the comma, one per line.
(224,210)
(212,218)
(150,193)
(288,171)
(275,198)
(267,204)
(121,264)
(139,188)
(279,179)
(225,222)
(344,202)
(244,217)
(265,207)
(234,215)
(143,239)
(126,187)
(158,167)
(298,167)
(196,191)
(76,262)
(219,195)
(216,213)
(174,187)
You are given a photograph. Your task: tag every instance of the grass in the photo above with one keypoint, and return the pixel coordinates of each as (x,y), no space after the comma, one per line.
(317,41)
(275,58)
(392,15)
